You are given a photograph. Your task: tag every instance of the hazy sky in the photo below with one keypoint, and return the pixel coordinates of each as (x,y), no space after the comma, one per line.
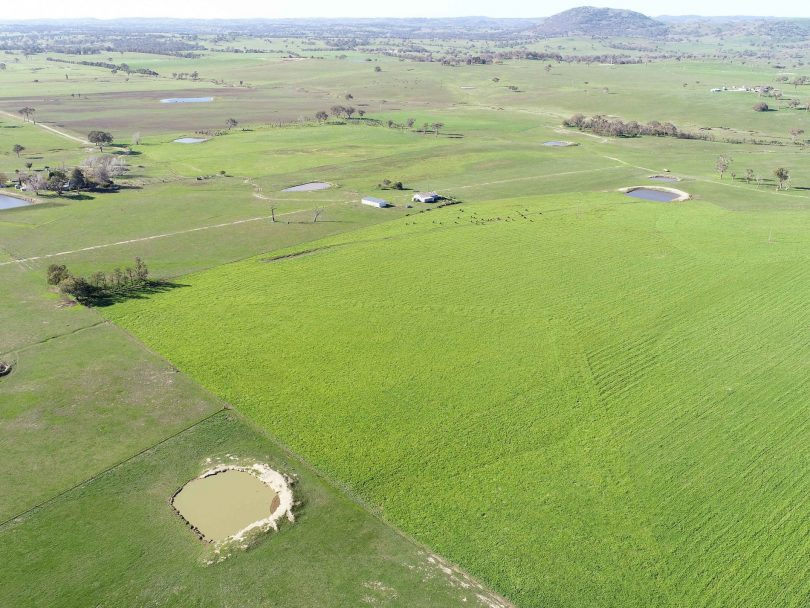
(106,9)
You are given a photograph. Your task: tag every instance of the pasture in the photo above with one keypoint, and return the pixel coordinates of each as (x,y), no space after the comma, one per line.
(574,396)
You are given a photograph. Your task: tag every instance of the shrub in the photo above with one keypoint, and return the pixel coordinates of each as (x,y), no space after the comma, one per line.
(57,273)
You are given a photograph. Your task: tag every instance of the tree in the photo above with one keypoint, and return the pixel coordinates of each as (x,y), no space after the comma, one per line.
(78,287)
(77,180)
(321,116)
(57,180)
(782,176)
(411,122)
(36,182)
(721,164)
(141,271)
(349,111)
(361,113)
(795,133)
(437,126)
(231,123)
(27,113)
(316,213)
(761,107)
(18,149)
(377,69)
(100,138)
(136,138)
(348,97)
(337,111)
(57,273)
(749,175)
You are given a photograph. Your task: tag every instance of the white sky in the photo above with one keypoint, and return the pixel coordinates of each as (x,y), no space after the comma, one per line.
(211,9)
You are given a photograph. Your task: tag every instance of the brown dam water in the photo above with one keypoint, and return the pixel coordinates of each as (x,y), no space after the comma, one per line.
(221,505)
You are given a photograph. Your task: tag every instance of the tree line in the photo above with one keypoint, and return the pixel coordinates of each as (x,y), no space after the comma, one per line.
(121,67)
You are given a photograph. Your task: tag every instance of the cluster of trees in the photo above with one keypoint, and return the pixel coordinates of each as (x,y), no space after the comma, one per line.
(387,184)
(339,112)
(614,127)
(99,285)
(195,75)
(95,172)
(782,174)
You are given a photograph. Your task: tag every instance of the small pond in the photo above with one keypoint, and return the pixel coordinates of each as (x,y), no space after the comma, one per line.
(187,100)
(11,202)
(653,195)
(223,504)
(663,178)
(308,187)
(189,140)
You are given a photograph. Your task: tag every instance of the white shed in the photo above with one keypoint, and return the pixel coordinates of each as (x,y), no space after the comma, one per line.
(375,202)
(426,197)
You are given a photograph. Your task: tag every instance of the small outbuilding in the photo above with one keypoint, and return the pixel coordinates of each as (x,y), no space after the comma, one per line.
(426,197)
(375,202)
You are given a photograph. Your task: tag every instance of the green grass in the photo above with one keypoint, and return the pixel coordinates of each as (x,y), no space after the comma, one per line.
(600,406)
(580,399)
(116,541)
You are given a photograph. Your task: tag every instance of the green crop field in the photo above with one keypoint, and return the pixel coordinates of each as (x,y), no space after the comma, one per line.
(545,394)
(544,377)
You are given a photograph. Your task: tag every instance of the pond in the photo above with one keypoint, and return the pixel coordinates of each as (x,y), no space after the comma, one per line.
(221,505)
(649,194)
(189,140)
(12,202)
(187,100)
(308,187)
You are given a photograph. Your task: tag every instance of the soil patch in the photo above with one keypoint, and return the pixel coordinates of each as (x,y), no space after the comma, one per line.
(189,140)
(559,144)
(664,178)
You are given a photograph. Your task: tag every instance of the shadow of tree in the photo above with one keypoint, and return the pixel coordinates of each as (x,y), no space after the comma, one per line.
(102,297)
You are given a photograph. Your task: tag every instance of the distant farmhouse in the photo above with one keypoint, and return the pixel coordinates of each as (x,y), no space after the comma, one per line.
(375,202)
(426,197)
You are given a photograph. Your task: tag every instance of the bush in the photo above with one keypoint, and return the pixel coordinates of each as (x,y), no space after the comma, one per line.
(57,273)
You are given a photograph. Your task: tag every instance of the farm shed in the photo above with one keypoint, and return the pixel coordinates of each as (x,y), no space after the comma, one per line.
(375,202)
(426,197)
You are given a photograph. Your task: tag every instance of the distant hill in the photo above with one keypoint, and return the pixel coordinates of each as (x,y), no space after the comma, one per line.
(592,21)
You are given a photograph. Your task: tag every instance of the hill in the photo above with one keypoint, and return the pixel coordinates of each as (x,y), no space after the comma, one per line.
(593,21)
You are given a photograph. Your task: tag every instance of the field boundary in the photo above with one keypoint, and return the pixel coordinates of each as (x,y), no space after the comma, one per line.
(47,256)
(112,467)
